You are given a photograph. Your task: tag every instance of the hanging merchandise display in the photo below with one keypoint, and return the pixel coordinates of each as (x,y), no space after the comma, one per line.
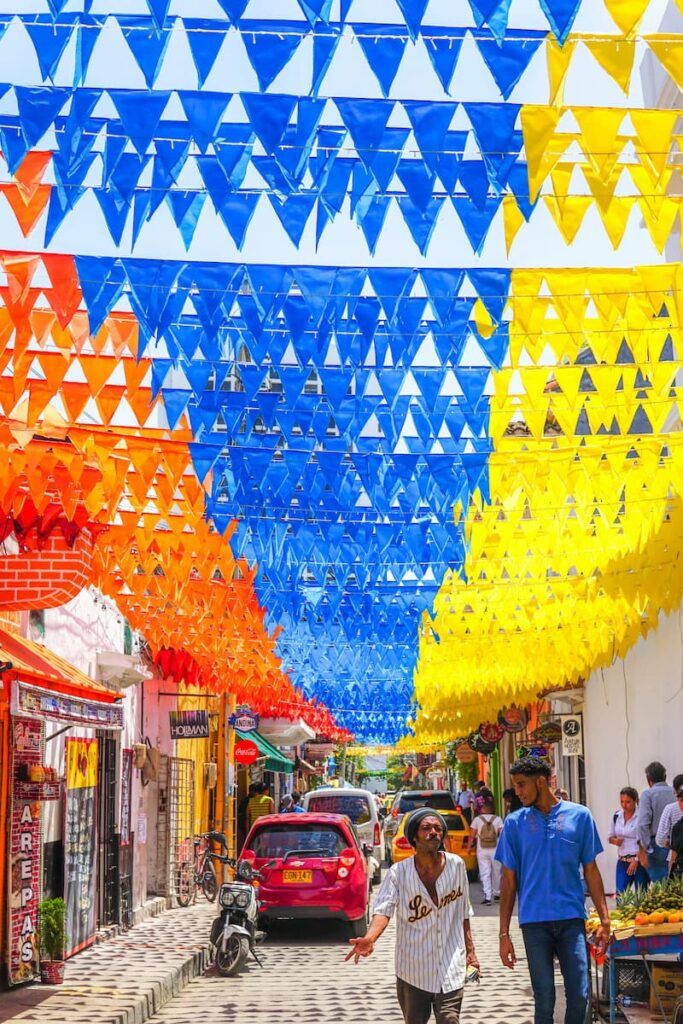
(379,479)
(80,844)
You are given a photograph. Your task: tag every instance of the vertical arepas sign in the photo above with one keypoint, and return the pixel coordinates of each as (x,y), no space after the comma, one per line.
(25,857)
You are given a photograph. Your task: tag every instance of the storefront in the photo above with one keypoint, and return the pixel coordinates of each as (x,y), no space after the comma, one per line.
(269,765)
(56,716)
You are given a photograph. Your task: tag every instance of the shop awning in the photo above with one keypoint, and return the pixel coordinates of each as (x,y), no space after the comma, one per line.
(45,685)
(275,759)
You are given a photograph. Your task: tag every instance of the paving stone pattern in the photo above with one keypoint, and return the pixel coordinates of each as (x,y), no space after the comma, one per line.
(160,971)
(123,981)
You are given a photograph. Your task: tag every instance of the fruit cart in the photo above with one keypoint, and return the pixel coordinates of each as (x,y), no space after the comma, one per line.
(647,923)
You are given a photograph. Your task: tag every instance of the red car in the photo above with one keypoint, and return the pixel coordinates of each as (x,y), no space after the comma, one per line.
(320,869)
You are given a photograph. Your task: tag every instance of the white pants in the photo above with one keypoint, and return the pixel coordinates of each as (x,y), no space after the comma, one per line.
(489,872)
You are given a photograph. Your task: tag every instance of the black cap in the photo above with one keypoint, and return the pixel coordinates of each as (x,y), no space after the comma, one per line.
(414,819)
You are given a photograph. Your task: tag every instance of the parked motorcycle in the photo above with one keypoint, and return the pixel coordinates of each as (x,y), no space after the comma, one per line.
(234,932)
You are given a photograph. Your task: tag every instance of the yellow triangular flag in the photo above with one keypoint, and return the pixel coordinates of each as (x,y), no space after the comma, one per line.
(513,219)
(568,217)
(669,52)
(660,222)
(615,218)
(559,58)
(654,135)
(543,151)
(600,129)
(627,13)
(615,56)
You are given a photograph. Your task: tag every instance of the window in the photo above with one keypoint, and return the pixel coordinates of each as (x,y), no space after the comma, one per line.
(439,800)
(279,840)
(356,808)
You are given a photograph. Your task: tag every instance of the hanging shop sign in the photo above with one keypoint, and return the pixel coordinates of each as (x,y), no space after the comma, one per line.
(25,849)
(491,732)
(465,754)
(572,735)
(80,843)
(126,783)
(246,752)
(548,732)
(479,744)
(244,719)
(59,707)
(189,725)
(513,719)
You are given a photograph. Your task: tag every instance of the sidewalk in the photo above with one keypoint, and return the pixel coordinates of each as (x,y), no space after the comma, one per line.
(125,980)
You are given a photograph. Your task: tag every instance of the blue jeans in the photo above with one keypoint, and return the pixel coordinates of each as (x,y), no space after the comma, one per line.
(640,879)
(658,866)
(566,940)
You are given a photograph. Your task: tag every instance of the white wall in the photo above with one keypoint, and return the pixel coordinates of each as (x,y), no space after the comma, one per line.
(633,714)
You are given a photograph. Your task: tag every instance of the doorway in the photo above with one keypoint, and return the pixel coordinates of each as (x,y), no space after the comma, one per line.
(108,842)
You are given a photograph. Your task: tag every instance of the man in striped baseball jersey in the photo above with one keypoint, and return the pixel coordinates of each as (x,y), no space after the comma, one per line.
(429,894)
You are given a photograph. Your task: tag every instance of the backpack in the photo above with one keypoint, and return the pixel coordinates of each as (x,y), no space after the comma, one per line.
(488,837)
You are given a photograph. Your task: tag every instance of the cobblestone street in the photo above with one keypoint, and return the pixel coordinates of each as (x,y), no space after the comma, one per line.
(305,979)
(157,972)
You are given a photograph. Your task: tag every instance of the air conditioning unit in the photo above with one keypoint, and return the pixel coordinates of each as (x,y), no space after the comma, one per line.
(119,670)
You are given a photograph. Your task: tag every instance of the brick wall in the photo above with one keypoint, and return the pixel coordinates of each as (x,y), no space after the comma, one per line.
(48,578)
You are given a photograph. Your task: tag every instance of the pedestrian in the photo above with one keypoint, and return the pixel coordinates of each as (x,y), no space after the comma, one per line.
(260,804)
(677,840)
(486,829)
(429,895)
(465,800)
(511,801)
(542,848)
(653,800)
(286,804)
(242,815)
(624,835)
(671,814)
(296,807)
(478,803)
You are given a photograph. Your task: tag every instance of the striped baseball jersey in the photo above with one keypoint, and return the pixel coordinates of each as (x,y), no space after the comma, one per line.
(430,941)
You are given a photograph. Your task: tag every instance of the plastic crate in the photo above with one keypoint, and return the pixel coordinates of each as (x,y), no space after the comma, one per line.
(631,979)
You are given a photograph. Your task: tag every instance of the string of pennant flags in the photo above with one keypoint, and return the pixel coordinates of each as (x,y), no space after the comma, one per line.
(375,496)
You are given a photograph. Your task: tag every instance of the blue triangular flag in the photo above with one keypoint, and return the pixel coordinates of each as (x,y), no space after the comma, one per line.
(383,162)
(493,13)
(413,12)
(508,59)
(421,221)
(234,9)
(102,280)
(493,125)
(89,27)
(38,107)
(324,48)
(430,123)
(185,207)
(140,113)
(383,46)
(293,212)
(205,42)
(366,121)
(204,112)
(418,182)
(492,285)
(561,15)
(234,146)
(391,285)
(49,39)
(13,145)
(147,45)
(443,46)
(269,115)
(159,9)
(236,211)
(476,220)
(169,160)
(270,46)
(316,10)
(115,210)
(175,403)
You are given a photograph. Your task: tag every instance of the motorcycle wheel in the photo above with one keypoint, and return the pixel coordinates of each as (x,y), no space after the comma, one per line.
(210,883)
(233,959)
(185,884)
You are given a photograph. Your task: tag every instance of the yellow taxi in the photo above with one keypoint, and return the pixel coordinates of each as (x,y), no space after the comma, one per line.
(458,833)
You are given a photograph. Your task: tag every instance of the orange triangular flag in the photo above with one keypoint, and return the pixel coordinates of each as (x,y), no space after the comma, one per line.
(27,211)
(29,173)
(97,370)
(65,294)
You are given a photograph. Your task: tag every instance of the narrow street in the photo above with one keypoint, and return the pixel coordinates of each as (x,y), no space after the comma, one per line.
(305,979)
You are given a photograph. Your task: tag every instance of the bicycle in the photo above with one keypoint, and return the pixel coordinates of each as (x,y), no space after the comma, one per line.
(200,873)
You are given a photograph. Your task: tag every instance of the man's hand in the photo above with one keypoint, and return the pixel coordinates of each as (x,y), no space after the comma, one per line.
(361,947)
(643,858)
(632,867)
(602,936)
(472,960)
(507,952)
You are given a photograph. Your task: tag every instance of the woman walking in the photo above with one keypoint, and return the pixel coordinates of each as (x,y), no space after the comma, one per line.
(624,835)
(485,830)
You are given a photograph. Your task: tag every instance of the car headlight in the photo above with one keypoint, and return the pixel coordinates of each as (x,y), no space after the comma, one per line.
(242,899)
(227,896)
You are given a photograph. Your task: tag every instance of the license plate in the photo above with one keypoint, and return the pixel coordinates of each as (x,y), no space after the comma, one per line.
(297,876)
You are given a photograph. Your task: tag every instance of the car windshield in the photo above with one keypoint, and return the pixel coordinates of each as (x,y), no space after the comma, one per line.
(278,840)
(356,808)
(439,800)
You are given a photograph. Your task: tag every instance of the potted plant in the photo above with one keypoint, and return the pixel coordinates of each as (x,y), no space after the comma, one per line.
(52,940)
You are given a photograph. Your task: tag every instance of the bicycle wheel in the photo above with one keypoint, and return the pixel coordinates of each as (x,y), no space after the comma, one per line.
(185,884)
(209,882)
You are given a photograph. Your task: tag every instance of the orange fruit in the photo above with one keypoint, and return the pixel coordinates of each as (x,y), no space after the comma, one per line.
(642,919)
(658,917)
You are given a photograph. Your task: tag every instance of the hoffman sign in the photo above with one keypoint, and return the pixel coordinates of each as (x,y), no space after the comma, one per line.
(189,725)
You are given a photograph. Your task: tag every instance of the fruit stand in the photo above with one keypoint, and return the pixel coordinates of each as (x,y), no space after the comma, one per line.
(647,923)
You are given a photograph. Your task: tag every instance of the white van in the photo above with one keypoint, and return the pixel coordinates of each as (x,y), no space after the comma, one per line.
(360,806)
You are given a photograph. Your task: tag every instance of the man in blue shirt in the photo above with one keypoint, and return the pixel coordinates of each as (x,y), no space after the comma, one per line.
(542,848)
